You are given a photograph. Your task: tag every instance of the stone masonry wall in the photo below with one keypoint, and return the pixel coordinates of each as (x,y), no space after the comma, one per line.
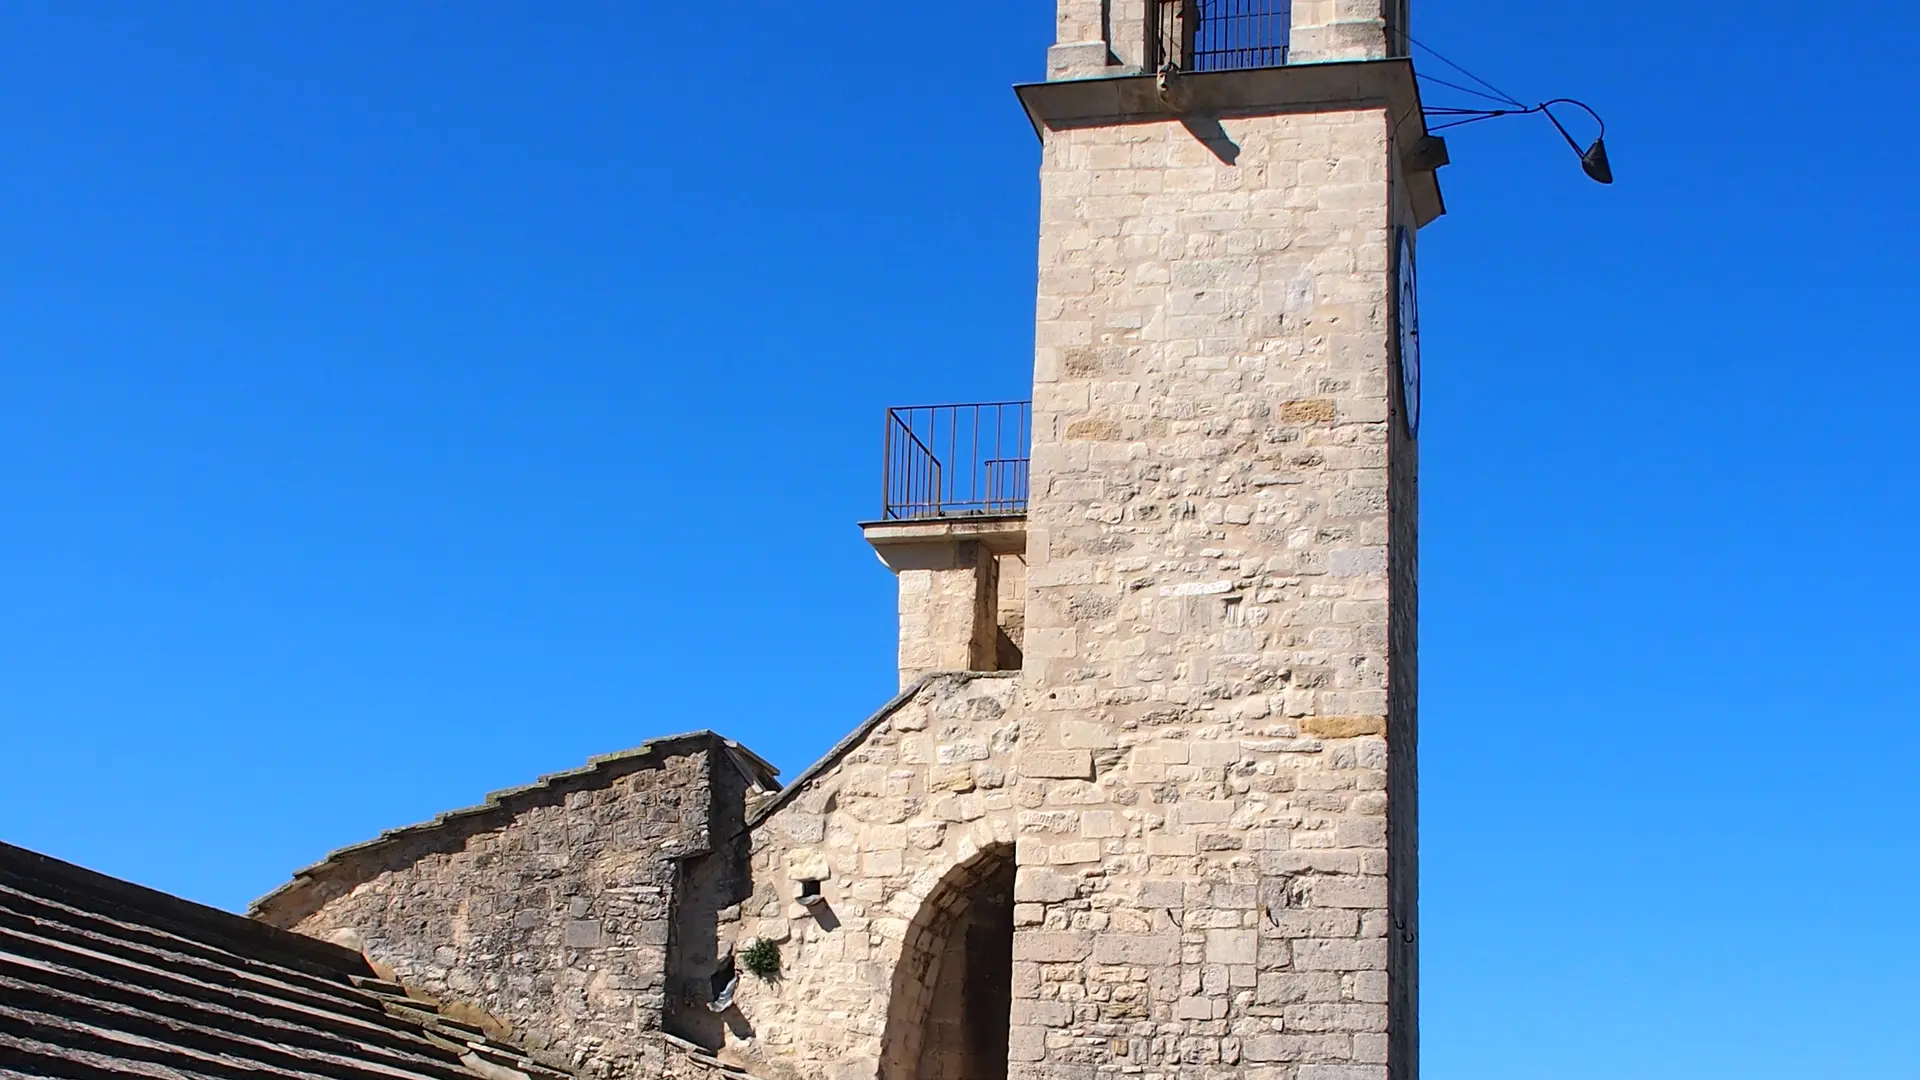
(707,886)
(665,1057)
(947,607)
(1325,30)
(1208,606)
(923,792)
(550,907)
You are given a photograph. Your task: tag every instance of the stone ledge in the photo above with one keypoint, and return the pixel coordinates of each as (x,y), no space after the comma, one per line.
(1296,88)
(897,542)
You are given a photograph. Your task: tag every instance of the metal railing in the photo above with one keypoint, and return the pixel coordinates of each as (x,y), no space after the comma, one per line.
(1220,35)
(957,460)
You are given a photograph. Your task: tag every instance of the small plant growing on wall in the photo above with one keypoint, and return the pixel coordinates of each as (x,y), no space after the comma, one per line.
(761,958)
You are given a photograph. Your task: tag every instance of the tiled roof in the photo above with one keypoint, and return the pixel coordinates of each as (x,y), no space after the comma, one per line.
(101,979)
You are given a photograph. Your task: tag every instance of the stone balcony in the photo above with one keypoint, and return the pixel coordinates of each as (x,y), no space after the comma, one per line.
(953,529)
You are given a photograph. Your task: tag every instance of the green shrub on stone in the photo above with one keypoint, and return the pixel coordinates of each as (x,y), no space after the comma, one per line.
(761,958)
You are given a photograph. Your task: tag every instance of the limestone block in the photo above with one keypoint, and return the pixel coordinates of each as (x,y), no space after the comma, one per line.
(1153,893)
(1034,884)
(1304,1047)
(1202,812)
(1344,727)
(808,864)
(1233,946)
(1335,1016)
(1143,949)
(1216,753)
(1056,764)
(882,863)
(1027,1043)
(1200,1008)
(956,777)
(1366,832)
(804,828)
(1163,752)
(1075,734)
(1102,823)
(1046,1014)
(1070,854)
(1316,954)
(1370,1048)
(1350,891)
(1053,946)
(1172,844)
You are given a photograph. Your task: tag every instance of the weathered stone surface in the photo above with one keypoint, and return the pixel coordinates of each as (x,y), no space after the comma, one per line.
(1221,580)
(1154,950)
(1188,822)
(554,906)
(1038,885)
(1057,764)
(860,976)
(1344,727)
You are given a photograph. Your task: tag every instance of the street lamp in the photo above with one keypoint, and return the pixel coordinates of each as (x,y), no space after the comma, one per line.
(1593,158)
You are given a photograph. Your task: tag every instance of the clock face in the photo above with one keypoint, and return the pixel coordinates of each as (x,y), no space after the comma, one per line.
(1407,321)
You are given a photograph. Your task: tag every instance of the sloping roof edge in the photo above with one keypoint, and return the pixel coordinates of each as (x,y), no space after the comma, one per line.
(598,771)
(113,978)
(178,915)
(859,735)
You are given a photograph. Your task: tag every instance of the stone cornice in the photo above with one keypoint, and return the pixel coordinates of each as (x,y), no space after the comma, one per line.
(1065,104)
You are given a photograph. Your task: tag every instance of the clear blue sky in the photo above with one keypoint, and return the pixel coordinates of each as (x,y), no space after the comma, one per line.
(404,400)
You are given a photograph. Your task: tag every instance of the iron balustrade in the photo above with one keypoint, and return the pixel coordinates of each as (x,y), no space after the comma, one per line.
(957,460)
(1220,35)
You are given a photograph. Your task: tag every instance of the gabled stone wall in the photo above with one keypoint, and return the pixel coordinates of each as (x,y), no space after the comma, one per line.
(552,907)
(913,799)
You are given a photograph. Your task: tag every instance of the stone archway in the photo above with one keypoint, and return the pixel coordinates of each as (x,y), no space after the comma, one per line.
(952,993)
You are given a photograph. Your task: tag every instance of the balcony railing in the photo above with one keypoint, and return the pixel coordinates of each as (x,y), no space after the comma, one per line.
(1220,35)
(957,460)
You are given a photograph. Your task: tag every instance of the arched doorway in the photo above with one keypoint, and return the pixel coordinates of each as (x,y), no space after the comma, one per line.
(953,987)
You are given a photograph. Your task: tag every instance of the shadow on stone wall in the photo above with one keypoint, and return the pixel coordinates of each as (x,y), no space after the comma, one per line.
(953,987)
(699,1005)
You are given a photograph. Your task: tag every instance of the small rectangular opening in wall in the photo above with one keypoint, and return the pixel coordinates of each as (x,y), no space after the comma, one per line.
(810,891)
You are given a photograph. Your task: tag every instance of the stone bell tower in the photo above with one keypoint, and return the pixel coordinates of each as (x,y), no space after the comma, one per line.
(1145,805)
(1221,545)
